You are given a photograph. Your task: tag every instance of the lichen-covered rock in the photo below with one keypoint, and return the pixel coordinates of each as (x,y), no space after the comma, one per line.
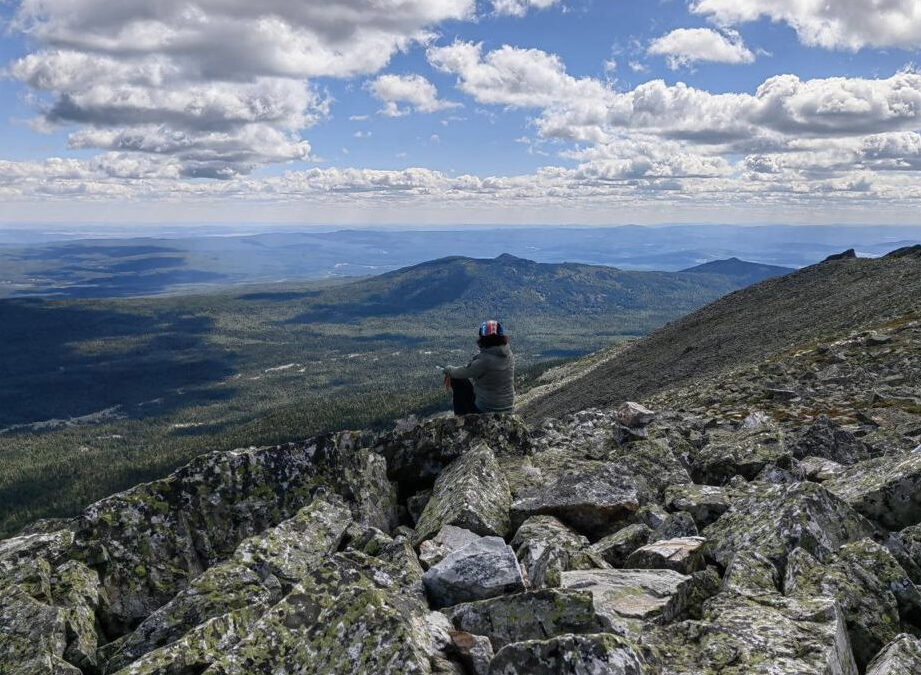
(705,503)
(348,616)
(415,457)
(763,635)
(899,657)
(593,500)
(627,599)
(869,586)
(743,453)
(601,654)
(533,615)
(653,464)
(819,469)
(152,540)
(483,569)
(261,571)
(906,547)
(546,547)
(675,526)
(777,518)
(615,548)
(449,539)
(886,489)
(33,635)
(826,439)
(470,493)
(750,573)
(684,555)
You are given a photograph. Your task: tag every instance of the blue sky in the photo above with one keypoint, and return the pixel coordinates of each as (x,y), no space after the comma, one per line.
(509,111)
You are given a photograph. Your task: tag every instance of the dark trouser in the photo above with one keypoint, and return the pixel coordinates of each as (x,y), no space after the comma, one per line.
(464,398)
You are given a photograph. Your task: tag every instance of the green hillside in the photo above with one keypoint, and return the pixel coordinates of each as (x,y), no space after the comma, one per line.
(96,395)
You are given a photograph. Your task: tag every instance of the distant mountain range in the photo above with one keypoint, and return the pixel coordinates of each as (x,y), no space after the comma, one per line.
(175,264)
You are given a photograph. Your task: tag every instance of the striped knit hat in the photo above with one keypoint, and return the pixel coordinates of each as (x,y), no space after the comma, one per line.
(491,328)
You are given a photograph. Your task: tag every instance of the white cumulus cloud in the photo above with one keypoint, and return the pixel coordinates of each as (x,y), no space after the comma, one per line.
(520,7)
(415,90)
(686,46)
(833,24)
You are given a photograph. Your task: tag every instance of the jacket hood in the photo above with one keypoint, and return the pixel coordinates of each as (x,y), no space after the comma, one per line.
(498,350)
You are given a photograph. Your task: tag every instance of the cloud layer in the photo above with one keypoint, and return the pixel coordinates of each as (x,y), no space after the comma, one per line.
(686,46)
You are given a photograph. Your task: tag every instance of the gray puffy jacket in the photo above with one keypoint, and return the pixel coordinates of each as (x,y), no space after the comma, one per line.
(492,372)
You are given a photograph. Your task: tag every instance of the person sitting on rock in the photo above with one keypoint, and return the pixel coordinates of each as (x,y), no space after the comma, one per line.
(487,383)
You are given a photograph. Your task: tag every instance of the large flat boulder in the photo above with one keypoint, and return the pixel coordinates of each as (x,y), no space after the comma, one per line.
(775,519)
(899,657)
(449,539)
(886,489)
(534,615)
(684,555)
(593,500)
(627,599)
(471,493)
(483,569)
(601,654)
(763,635)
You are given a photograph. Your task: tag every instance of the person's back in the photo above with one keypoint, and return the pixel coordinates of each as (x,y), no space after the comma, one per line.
(487,383)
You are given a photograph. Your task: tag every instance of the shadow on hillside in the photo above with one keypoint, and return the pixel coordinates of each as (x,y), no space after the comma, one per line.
(61,361)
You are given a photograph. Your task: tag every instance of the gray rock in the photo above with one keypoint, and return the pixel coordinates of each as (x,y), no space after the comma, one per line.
(632,414)
(624,436)
(627,599)
(449,539)
(615,548)
(767,635)
(899,657)
(684,555)
(705,503)
(470,493)
(776,519)
(592,501)
(906,547)
(533,615)
(570,655)
(886,489)
(751,574)
(483,569)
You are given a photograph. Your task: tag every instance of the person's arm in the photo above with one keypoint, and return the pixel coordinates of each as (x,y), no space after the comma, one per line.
(472,370)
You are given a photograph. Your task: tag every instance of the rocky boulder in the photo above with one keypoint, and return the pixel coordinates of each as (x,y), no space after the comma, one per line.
(826,439)
(534,615)
(902,655)
(705,503)
(766,635)
(684,555)
(627,599)
(484,569)
(546,547)
(632,414)
(570,655)
(615,548)
(775,519)
(592,500)
(471,493)
(443,544)
(416,456)
(653,464)
(740,453)
(886,490)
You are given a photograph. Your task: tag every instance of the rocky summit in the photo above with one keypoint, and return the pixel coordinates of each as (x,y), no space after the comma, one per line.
(764,518)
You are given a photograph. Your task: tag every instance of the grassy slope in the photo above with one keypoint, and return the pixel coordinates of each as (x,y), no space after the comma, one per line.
(259,366)
(743,328)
